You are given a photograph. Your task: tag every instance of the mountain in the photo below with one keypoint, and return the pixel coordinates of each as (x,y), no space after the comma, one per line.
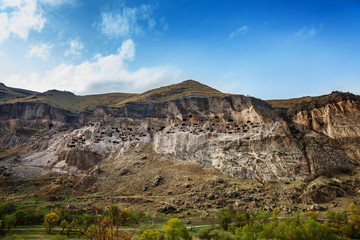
(7,93)
(69,101)
(185,136)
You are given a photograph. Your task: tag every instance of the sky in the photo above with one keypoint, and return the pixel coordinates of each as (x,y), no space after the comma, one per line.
(263,48)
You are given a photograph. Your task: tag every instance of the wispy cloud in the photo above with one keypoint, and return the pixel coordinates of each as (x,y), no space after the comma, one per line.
(75,49)
(41,51)
(164,24)
(309,31)
(100,74)
(239,31)
(129,22)
(58,2)
(19,17)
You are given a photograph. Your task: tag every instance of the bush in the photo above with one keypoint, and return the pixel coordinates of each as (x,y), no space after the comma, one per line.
(175,229)
(151,235)
(222,235)
(204,234)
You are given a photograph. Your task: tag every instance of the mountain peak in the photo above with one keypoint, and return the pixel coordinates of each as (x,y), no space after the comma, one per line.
(183,89)
(54,91)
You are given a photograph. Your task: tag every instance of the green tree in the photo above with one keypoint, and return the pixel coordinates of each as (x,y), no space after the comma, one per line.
(10,221)
(354,219)
(336,220)
(151,235)
(175,229)
(240,219)
(4,208)
(114,214)
(250,231)
(317,231)
(50,220)
(71,226)
(21,217)
(63,224)
(84,222)
(284,230)
(225,217)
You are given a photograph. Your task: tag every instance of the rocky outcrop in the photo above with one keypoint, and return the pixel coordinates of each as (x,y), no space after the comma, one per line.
(242,136)
(323,190)
(34,111)
(335,120)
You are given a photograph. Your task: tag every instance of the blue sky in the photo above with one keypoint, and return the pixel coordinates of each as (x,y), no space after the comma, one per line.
(264,48)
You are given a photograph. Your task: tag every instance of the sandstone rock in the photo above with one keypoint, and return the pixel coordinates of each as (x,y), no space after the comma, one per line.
(242,136)
(218,180)
(158,180)
(317,207)
(123,171)
(323,190)
(168,210)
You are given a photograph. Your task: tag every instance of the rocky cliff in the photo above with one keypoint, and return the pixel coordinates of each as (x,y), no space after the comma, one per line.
(242,136)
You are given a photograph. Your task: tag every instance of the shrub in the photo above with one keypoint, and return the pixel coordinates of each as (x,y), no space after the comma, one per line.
(175,229)
(151,235)
(222,235)
(204,234)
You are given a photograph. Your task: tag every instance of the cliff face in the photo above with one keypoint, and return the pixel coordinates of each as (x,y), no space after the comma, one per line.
(35,111)
(242,136)
(335,120)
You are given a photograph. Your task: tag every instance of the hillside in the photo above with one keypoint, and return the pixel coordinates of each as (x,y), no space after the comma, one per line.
(8,93)
(69,101)
(288,103)
(185,148)
(184,89)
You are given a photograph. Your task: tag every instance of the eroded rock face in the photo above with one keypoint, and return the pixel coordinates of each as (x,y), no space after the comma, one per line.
(335,120)
(323,190)
(242,136)
(35,111)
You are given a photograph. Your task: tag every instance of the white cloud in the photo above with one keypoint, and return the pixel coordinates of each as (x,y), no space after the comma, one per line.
(75,49)
(100,74)
(41,51)
(19,17)
(310,31)
(240,31)
(128,22)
